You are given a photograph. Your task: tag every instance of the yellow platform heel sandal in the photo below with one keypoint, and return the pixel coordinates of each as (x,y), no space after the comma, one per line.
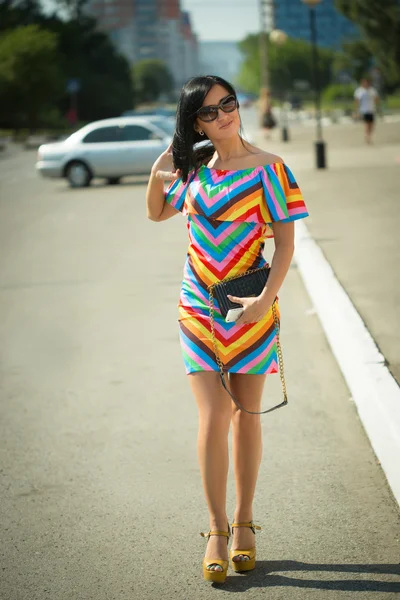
(215,576)
(249,563)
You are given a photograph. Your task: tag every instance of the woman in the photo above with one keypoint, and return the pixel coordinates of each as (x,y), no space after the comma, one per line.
(235,196)
(268,121)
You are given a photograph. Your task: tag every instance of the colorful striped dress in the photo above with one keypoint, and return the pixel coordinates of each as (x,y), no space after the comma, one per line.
(229,216)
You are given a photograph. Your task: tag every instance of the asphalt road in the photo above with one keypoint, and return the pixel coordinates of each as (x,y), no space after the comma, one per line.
(99,482)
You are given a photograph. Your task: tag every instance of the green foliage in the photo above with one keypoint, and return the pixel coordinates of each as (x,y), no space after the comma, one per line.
(338,94)
(287,63)
(379,23)
(249,77)
(393,102)
(16,14)
(30,81)
(151,79)
(355,59)
(89,56)
(84,53)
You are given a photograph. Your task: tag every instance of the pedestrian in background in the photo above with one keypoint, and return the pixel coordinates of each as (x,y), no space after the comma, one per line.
(366,99)
(234,196)
(268,121)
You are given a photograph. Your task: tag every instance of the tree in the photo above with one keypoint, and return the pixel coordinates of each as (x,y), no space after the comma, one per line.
(151,78)
(339,95)
(379,23)
(287,62)
(14,13)
(89,56)
(84,53)
(355,60)
(70,9)
(30,81)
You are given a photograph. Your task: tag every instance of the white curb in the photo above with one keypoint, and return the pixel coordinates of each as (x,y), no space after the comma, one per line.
(373,388)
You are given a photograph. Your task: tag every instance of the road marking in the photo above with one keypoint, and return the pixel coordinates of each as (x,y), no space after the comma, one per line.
(373,388)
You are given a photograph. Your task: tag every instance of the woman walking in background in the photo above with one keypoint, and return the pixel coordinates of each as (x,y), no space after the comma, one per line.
(235,196)
(268,121)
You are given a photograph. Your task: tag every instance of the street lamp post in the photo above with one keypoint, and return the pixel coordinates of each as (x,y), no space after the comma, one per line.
(264,70)
(263,47)
(279,38)
(319,143)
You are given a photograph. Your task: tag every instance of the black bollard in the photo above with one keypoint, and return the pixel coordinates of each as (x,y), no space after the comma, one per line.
(285,134)
(320,155)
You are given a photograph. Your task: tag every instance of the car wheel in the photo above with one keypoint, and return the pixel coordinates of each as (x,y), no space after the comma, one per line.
(78,174)
(113,180)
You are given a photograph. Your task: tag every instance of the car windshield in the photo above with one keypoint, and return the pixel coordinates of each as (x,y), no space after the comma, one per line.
(73,137)
(165,123)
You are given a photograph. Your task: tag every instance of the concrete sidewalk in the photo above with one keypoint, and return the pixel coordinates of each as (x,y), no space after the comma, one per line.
(355,218)
(101,496)
(347,255)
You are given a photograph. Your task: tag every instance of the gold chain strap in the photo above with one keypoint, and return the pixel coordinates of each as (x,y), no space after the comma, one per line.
(278,342)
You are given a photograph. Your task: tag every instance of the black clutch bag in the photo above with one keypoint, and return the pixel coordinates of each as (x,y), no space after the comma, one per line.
(243,286)
(249,284)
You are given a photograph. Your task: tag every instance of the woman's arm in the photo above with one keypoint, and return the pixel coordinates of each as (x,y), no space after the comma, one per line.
(284,249)
(157,208)
(162,170)
(356,103)
(256,308)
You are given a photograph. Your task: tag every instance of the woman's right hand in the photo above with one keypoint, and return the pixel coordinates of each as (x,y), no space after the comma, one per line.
(163,167)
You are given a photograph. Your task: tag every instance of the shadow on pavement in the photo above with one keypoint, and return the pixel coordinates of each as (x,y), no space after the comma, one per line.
(265,576)
(137,180)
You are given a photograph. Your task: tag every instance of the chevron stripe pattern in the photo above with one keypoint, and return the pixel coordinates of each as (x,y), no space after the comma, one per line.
(230,214)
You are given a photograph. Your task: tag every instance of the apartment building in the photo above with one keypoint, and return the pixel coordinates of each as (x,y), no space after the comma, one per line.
(116,17)
(292,16)
(190,63)
(143,29)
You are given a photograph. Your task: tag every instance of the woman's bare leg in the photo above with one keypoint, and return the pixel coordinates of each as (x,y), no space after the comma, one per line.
(214,407)
(267,133)
(247,452)
(369,126)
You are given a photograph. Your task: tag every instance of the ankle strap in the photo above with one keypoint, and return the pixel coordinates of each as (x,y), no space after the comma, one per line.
(248,524)
(207,535)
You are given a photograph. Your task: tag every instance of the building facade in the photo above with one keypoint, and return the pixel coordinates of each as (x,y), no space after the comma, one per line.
(142,29)
(116,17)
(190,62)
(292,17)
(146,23)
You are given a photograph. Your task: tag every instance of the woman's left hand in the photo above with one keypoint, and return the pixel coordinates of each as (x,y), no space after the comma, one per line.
(254,309)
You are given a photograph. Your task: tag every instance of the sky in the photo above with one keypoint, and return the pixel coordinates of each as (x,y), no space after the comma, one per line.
(223,20)
(217,20)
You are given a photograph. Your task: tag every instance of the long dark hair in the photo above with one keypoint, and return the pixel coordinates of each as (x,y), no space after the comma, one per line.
(185,156)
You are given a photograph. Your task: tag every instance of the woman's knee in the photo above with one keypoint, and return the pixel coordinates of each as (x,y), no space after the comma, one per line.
(244,420)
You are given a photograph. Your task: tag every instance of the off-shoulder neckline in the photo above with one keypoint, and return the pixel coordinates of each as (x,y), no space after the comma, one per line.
(241,170)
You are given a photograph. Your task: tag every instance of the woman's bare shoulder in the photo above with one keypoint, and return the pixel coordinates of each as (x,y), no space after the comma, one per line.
(262,158)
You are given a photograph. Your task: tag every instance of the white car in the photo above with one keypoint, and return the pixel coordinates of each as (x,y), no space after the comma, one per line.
(110,149)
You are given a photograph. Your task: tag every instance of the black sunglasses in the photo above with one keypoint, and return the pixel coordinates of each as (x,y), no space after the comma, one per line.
(210,113)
